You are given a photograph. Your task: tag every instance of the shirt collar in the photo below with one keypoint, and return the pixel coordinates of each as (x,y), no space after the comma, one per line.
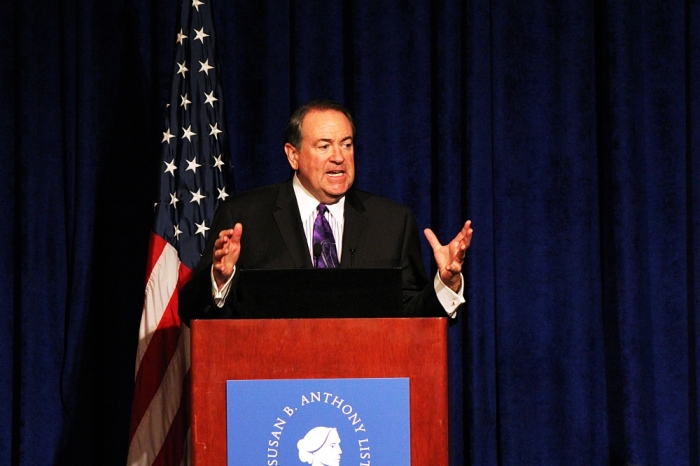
(308,203)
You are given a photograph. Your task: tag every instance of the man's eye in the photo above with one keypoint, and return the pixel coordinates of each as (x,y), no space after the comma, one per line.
(324,146)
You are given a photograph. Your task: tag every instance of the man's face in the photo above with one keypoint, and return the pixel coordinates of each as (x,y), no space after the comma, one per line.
(325,160)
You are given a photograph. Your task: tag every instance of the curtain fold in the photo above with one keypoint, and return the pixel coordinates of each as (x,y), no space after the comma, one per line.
(692,137)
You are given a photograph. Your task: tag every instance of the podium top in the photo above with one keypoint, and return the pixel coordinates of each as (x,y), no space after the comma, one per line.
(326,293)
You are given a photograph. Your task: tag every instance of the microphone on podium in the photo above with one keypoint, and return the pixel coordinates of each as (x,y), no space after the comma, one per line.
(317,252)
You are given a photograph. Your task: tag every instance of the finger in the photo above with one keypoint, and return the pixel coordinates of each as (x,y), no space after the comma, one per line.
(465,232)
(236,233)
(458,258)
(456,265)
(225,233)
(224,236)
(218,254)
(432,239)
(464,244)
(466,238)
(466,228)
(455,268)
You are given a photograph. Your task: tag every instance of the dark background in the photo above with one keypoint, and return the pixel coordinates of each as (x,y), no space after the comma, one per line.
(566,130)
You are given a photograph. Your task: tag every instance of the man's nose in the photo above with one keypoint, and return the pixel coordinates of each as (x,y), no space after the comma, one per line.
(336,154)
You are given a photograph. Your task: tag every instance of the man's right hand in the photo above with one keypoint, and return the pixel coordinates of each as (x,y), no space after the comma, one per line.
(227,249)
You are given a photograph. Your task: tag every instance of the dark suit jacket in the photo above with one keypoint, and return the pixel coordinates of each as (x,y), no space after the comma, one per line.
(381,232)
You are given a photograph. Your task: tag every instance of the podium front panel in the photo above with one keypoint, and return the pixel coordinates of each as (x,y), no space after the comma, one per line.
(414,348)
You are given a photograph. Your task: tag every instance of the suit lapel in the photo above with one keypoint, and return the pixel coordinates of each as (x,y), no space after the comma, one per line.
(287,217)
(355,227)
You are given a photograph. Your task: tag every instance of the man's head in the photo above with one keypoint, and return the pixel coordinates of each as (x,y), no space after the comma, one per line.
(319,147)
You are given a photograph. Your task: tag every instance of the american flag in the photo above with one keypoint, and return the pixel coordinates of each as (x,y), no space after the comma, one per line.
(193,181)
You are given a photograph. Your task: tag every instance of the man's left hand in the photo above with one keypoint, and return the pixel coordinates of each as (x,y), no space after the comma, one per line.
(450,257)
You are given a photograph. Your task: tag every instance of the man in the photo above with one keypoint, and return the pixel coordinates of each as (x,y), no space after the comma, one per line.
(274,226)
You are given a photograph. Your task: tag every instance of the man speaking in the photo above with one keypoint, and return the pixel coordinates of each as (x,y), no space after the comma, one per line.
(317,219)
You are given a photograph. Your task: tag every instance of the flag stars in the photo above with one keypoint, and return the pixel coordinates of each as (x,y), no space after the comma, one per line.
(170,167)
(210,99)
(195,211)
(205,67)
(167,136)
(196,197)
(184,102)
(182,69)
(193,165)
(201,34)
(180,37)
(201,228)
(215,131)
(188,133)
(218,163)
(222,194)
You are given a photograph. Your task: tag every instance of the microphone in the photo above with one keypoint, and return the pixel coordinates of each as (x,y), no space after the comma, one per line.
(317,250)
(352,257)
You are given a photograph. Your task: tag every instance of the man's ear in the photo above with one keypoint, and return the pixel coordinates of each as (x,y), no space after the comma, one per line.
(292,156)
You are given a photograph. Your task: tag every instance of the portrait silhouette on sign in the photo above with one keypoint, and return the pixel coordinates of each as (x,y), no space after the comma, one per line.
(320,447)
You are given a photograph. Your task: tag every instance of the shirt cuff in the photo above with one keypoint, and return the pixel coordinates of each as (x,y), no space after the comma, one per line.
(450,300)
(220,295)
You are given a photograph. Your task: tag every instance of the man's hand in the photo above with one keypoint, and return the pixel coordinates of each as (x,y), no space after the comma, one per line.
(227,249)
(449,258)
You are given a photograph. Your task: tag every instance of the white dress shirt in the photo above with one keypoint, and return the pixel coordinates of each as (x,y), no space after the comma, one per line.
(450,300)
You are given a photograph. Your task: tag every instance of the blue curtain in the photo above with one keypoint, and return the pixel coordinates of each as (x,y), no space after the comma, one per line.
(569,132)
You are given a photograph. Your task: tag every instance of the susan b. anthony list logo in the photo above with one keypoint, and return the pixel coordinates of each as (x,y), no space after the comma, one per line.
(321,445)
(329,422)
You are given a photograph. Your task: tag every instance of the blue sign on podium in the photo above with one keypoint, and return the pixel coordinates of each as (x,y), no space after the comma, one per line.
(318,421)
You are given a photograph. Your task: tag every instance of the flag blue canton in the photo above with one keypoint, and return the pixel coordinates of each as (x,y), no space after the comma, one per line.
(196,167)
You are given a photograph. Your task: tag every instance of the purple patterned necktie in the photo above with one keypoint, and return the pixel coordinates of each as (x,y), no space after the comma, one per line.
(325,254)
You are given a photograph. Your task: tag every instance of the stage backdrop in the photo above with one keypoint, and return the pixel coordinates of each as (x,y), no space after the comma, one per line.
(567,131)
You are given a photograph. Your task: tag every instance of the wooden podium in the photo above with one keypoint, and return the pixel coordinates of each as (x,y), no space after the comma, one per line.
(254,349)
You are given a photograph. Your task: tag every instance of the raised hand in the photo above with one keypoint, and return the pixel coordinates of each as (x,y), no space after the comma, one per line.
(449,258)
(227,249)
